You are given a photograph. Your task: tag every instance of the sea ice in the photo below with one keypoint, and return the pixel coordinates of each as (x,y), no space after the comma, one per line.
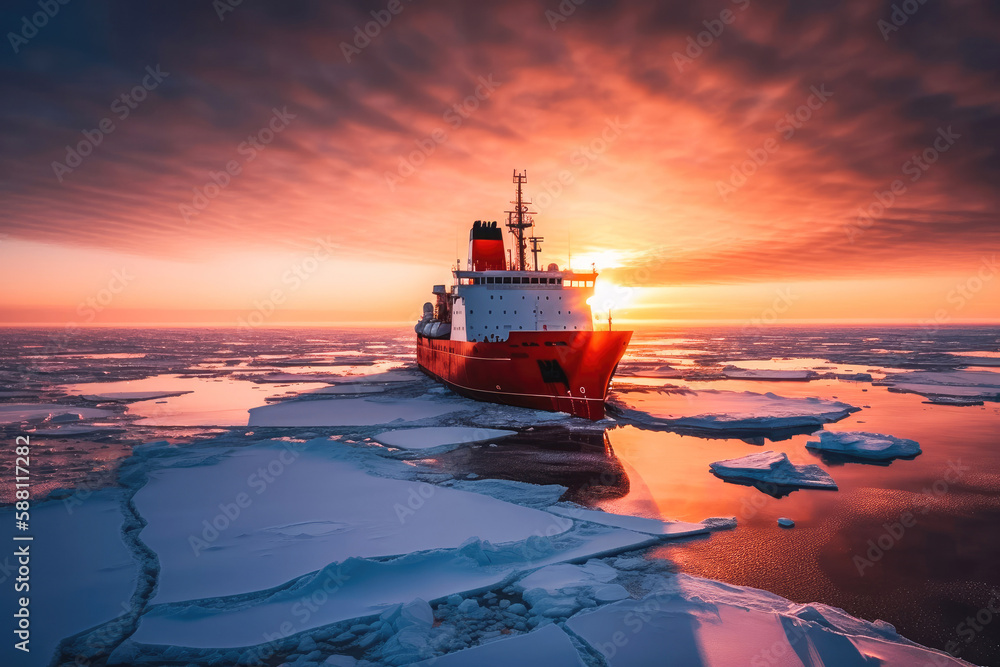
(715,410)
(637,524)
(435,437)
(70,429)
(772,468)
(11,413)
(133,395)
(264,515)
(565,575)
(348,412)
(512,491)
(548,645)
(701,622)
(736,373)
(969,385)
(860,444)
(88,581)
(359,588)
(348,389)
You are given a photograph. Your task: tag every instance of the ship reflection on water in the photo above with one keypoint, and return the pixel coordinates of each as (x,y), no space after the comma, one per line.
(581,460)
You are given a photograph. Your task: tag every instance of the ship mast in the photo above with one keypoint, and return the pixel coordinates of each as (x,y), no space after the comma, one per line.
(518,221)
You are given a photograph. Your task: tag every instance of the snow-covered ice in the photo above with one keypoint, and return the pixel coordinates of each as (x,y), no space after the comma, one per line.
(521,493)
(715,410)
(701,622)
(258,517)
(637,524)
(548,645)
(76,587)
(863,445)
(348,412)
(969,385)
(736,373)
(772,468)
(358,588)
(437,437)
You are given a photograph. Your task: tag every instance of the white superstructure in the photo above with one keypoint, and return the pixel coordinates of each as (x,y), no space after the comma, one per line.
(488,305)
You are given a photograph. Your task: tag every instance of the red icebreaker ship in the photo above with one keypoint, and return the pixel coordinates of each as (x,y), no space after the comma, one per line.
(508,333)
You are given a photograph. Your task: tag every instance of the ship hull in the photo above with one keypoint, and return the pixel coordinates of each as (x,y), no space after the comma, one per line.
(561,371)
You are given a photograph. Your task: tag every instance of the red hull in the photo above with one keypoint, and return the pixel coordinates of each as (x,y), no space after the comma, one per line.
(562,371)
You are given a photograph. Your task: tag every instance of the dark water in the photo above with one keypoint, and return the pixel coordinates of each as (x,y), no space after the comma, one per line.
(915,543)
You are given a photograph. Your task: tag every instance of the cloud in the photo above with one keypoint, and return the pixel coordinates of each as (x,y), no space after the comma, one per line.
(654,193)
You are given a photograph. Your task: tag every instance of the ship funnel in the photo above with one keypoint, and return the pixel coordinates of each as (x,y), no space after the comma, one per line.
(486,251)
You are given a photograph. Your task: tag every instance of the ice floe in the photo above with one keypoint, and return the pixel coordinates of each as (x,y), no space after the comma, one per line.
(348,412)
(548,645)
(736,373)
(772,468)
(863,445)
(701,622)
(70,429)
(634,523)
(259,517)
(715,410)
(89,581)
(967,386)
(11,413)
(439,437)
(360,588)
(112,396)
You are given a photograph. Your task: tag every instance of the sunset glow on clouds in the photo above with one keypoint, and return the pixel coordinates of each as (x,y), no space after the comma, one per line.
(712,153)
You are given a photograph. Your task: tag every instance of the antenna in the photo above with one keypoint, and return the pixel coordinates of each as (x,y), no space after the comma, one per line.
(535,240)
(519,219)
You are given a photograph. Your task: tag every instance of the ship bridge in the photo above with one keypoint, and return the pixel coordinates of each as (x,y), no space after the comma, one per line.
(488,305)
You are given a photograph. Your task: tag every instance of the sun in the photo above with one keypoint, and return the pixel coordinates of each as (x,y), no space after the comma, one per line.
(609,297)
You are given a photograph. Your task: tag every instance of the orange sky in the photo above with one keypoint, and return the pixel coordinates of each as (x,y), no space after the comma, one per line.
(372,176)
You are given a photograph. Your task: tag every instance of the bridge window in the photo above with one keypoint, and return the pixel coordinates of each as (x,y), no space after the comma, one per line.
(534,281)
(489,280)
